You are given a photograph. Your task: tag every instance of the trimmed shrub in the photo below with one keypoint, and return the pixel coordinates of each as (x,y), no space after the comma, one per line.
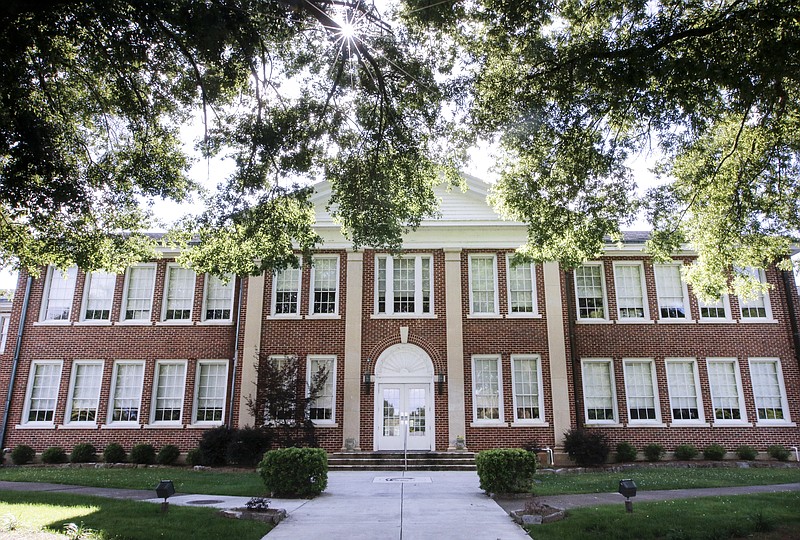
(506,470)
(22,454)
(586,448)
(746,452)
(194,457)
(114,453)
(626,452)
(686,452)
(143,454)
(214,446)
(653,452)
(168,455)
(714,452)
(295,472)
(779,452)
(247,446)
(54,454)
(83,453)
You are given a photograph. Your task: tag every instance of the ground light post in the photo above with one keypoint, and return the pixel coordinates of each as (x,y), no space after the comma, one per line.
(164,490)
(627,488)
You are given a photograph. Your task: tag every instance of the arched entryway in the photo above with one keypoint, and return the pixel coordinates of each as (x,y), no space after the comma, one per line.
(404,386)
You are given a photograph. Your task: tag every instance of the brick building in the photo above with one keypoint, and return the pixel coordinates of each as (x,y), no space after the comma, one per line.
(451,334)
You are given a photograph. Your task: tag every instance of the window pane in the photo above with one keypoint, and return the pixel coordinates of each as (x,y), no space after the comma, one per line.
(483,293)
(767,390)
(404,285)
(381,285)
(630,299)
(86,392)
(640,393)
(598,395)
(325,285)
(670,292)
(140,292)
(287,291)
(322,407)
(526,389)
(169,392)
(44,392)
(682,391)
(756,307)
(219,298)
(712,310)
(5,321)
(58,299)
(724,390)
(520,287)
(589,291)
(180,293)
(127,393)
(426,284)
(487,389)
(100,296)
(212,381)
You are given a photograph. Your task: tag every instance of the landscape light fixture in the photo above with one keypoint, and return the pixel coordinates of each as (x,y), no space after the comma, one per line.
(164,490)
(441,378)
(627,488)
(367,378)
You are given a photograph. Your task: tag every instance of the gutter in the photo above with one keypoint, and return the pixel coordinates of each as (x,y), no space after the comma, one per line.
(15,361)
(789,289)
(235,352)
(577,389)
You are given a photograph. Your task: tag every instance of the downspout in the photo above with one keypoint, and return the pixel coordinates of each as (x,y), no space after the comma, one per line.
(15,361)
(577,390)
(235,352)
(790,290)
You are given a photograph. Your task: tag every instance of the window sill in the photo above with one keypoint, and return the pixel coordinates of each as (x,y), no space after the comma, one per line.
(484,316)
(717,321)
(785,423)
(635,424)
(175,323)
(170,425)
(675,321)
(403,316)
(757,321)
(120,425)
(135,322)
(593,321)
(720,424)
(77,425)
(286,316)
(220,322)
(530,423)
(326,424)
(689,424)
(33,425)
(492,424)
(603,425)
(94,323)
(324,316)
(208,425)
(634,321)
(52,323)
(524,316)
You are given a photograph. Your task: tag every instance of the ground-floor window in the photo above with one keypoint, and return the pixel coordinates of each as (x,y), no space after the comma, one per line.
(683,382)
(42,394)
(768,390)
(487,397)
(599,397)
(527,382)
(640,390)
(126,391)
(84,397)
(170,382)
(726,390)
(321,410)
(210,388)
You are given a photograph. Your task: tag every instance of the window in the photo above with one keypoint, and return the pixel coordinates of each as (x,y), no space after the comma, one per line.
(126,391)
(99,296)
(325,277)
(210,391)
(218,298)
(322,409)
(640,390)
(403,284)
(286,292)
(599,396)
(758,307)
(486,389)
(521,288)
(726,390)
(527,382)
(683,382)
(170,382)
(179,295)
(629,282)
(84,392)
(483,284)
(718,310)
(59,288)
(138,298)
(673,299)
(42,395)
(282,407)
(768,390)
(590,292)
(5,321)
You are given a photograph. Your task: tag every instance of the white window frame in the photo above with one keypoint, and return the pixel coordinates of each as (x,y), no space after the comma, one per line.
(71,394)
(787,419)
(701,419)
(331,381)
(52,272)
(496,298)
(29,394)
(534,292)
(726,305)
(613,384)
(313,289)
(154,394)
(122,312)
(500,420)
(654,386)
(112,395)
(687,310)
(540,394)
(759,273)
(5,325)
(195,401)
(165,297)
(742,421)
(298,290)
(598,264)
(642,285)
(418,291)
(85,300)
(206,284)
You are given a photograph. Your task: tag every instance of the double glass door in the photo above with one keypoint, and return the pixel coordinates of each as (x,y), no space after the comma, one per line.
(403,408)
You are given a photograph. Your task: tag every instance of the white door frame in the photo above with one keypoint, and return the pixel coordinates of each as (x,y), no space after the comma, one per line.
(404,363)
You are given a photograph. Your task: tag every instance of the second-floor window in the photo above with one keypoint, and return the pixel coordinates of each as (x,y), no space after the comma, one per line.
(521,288)
(179,293)
(325,281)
(715,310)
(757,307)
(99,296)
(629,282)
(57,301)
(138,300)
(218,300)
(286,292)
(483,285)
(5,320)
(403,284)
(590,292)
(672,301)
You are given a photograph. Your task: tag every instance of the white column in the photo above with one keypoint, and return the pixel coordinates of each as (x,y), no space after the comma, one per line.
(253,325)
(557,349)
(351,418)
(455,346)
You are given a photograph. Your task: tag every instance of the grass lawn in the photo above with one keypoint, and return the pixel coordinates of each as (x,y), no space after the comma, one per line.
(122,520)
(763,516)
(661,478)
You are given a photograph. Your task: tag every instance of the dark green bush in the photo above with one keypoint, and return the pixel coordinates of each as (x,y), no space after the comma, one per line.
(22,454)
(143,454)
(686,452)
(168,455)
(194,457)
(295,472)
(626,452)
(779,452)
(714,452)
(747,452)
(247,446)
(214,446)
(114,453)
(506,470)
(83,453)
(653,452)
(54,454)
(586,448)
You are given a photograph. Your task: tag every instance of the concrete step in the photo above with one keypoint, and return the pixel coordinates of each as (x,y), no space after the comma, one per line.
(396,461)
